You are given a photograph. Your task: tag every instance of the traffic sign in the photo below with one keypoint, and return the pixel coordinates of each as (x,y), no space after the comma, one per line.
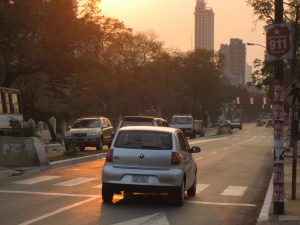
(279,42)
(292,94)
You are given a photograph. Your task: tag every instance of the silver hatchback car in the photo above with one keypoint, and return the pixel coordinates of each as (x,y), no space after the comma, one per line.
(150,159)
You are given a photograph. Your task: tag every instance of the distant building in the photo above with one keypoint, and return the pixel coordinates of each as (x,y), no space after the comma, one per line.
(234,62)
(248,73)
(204,26)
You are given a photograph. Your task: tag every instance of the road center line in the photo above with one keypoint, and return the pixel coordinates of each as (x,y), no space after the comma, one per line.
(57,211)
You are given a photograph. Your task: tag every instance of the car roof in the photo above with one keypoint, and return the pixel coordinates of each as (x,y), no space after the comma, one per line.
(91,118)
(150,128)
(139,118)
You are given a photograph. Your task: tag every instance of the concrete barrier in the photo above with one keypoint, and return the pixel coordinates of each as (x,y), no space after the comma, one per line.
(22,151)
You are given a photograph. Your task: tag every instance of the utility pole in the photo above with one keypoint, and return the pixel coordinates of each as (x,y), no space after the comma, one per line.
(278,170)
(295,111)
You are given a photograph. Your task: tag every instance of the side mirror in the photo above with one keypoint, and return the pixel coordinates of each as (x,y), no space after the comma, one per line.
(195,149)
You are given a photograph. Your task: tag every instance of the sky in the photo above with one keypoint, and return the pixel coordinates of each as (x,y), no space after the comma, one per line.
(173,22)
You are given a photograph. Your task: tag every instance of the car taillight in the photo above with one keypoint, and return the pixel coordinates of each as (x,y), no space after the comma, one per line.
(109,155)
(176,158)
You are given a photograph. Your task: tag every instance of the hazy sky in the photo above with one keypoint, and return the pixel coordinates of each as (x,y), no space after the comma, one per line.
(173,21)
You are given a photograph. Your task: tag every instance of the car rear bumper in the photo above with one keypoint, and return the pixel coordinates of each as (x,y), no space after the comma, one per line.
(139,188)
(159,178)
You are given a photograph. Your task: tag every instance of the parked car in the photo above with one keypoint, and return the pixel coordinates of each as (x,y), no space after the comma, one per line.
(150,159)
(142,121)
(185,122)
(89,132)
(225,123)
(269,123)
(236,123)
(260,122)
(199,128)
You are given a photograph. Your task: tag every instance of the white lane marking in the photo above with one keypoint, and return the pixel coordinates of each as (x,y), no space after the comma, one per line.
(154,219)
(234,191)
(37,179)
(264,213)
(206,140)
(98,186)
(220,203)
(213,153)
(76,181)
(49,194)
(201,187)
(199,158)
(57,211)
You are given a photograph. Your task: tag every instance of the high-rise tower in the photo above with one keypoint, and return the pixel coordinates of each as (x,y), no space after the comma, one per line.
(204,26)
(235,61)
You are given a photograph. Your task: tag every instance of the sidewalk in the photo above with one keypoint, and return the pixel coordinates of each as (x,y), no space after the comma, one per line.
(291,207)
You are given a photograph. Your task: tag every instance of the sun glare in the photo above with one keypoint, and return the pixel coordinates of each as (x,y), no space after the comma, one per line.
(118,4)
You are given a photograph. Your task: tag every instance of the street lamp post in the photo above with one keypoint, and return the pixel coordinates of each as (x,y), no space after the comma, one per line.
(252,44)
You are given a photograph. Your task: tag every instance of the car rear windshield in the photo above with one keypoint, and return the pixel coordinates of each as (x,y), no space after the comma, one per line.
(86,123)
(136,123)
(144,140)
(181,120)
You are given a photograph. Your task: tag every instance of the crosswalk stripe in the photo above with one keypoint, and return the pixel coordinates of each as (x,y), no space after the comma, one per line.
(98,186)
(201,187)
(37,179)
(74,182)
(234,191)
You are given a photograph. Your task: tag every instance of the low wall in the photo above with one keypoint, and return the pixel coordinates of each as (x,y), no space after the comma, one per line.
(22,151)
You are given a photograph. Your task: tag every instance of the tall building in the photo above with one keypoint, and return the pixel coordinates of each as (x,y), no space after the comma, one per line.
(204,26)
(234,61)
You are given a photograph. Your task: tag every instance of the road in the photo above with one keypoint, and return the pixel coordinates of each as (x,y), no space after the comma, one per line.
(234,171)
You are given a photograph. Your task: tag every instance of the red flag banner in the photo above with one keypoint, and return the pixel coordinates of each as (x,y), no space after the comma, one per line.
(238,101)
(251,100)
(264,100)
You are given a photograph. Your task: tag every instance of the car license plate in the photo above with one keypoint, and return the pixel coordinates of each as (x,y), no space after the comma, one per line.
(140,179)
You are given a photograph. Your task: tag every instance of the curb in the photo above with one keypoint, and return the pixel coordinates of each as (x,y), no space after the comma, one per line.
(264,213)
(69,162)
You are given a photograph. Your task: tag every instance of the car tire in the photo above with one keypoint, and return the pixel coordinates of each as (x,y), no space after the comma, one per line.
(99,147)
(82,148)
(107,194)
(192,190)
(179,195)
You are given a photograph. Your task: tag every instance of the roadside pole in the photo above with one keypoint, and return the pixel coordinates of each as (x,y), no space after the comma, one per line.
(278,170)
(295,111)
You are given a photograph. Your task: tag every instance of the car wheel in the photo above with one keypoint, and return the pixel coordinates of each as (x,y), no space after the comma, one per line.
(107,195)
(99,147)
(82,148)
(179,195)
(192,190)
